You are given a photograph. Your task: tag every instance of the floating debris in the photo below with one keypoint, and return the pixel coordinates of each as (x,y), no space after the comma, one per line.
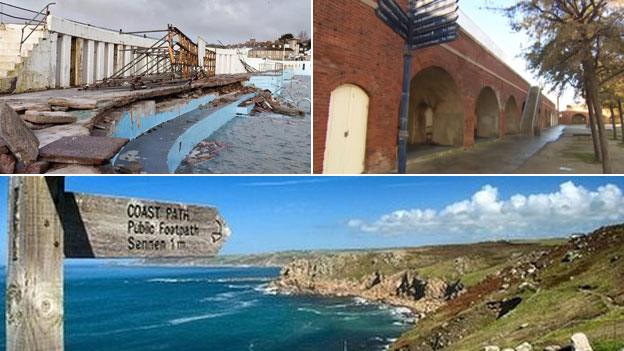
(264,102)
(204,151)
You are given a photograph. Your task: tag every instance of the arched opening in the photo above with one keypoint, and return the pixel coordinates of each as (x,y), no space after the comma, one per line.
(512,116)
(549,118)
(487,114)
(345,146)
(436,116)
(579,119)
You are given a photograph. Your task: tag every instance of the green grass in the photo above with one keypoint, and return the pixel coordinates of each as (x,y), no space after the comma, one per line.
(587,157)
(608,346)
(552,315)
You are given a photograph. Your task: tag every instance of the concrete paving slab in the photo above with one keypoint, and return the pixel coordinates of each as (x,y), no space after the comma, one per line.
(49,117)
(52,134)
(74,103)
(84,150)
(502,156)
(18,137)
(75,169)
(33,106)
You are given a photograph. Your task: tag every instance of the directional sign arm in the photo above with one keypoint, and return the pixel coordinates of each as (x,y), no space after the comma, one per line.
(392,23)
(433,6)
(395,9)
(433,42)
(435,34)
(394,17)
(435,21)
(110,227)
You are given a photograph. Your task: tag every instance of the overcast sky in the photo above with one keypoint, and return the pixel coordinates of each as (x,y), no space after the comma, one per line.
(229,21)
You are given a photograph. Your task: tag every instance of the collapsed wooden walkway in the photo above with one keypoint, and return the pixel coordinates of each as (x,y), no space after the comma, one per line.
(55,121)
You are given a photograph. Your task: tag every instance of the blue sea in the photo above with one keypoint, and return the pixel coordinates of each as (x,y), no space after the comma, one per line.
(226,309)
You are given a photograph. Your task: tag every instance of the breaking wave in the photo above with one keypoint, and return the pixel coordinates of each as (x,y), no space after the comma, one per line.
(208,280)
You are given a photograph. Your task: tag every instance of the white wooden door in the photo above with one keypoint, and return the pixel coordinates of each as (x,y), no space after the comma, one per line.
(345,146)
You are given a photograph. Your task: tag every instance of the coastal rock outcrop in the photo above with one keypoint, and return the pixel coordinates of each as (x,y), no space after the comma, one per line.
(333,276)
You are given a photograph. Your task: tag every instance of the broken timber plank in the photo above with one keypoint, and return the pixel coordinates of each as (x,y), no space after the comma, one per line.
(48,117)
(84,150)
(18,137)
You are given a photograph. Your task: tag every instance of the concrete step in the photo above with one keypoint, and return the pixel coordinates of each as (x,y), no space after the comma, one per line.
(10,58)
(7,66)
(15,47)
(14,35)
(16,41)
(5,52)
(3,73)
(17,36)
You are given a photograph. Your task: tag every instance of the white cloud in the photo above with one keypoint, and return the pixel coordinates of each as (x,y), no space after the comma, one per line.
(295,182)
(572,208)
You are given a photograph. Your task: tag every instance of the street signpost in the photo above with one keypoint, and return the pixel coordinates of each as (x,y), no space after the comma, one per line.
(426,23)
(47,224)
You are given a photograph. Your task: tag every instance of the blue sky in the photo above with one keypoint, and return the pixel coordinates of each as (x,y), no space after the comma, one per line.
(497,27)
(280,213)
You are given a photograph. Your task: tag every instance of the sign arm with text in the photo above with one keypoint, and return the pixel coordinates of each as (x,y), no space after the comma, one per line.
(132,228)
(426,23)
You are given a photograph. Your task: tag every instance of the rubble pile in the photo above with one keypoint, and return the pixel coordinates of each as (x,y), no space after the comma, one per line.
(37,137)
(265,102)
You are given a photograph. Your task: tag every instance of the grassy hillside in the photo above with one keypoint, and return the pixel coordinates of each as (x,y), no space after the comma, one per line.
(575,287)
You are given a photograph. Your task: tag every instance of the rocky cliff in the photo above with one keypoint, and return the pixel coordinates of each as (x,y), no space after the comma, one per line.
(537,301)
(422,279)
(321,275)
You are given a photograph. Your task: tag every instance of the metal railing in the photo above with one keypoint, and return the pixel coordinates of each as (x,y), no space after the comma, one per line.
(20,13)
(44,13)
(3,12)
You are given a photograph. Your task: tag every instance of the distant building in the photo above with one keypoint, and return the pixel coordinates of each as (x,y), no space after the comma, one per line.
(574,116)
(274,52)
(578,114)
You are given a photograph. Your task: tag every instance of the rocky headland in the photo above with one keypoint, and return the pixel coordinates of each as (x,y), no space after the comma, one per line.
(407,288)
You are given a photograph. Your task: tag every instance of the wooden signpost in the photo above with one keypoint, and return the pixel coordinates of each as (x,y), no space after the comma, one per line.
(47,224)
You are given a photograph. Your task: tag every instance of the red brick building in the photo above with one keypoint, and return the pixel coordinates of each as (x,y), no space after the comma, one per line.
(572,117)
(460,91)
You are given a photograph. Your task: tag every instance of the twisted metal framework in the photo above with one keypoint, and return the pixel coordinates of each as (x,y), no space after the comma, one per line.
(173,59)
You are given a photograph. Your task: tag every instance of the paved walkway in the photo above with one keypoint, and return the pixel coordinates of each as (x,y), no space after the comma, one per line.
(573,153)
(502,156)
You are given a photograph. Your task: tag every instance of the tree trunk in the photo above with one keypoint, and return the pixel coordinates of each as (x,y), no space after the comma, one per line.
(613,121)
(621,117)
(594,132)
(594,97)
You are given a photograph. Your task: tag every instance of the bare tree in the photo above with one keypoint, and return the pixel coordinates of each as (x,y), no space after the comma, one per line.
(303,35)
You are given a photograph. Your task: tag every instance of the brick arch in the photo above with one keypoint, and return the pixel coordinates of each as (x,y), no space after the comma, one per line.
(578,119)
(512,116)
(436,113)
(487,113)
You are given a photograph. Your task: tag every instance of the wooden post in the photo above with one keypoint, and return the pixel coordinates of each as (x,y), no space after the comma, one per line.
(34,291)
